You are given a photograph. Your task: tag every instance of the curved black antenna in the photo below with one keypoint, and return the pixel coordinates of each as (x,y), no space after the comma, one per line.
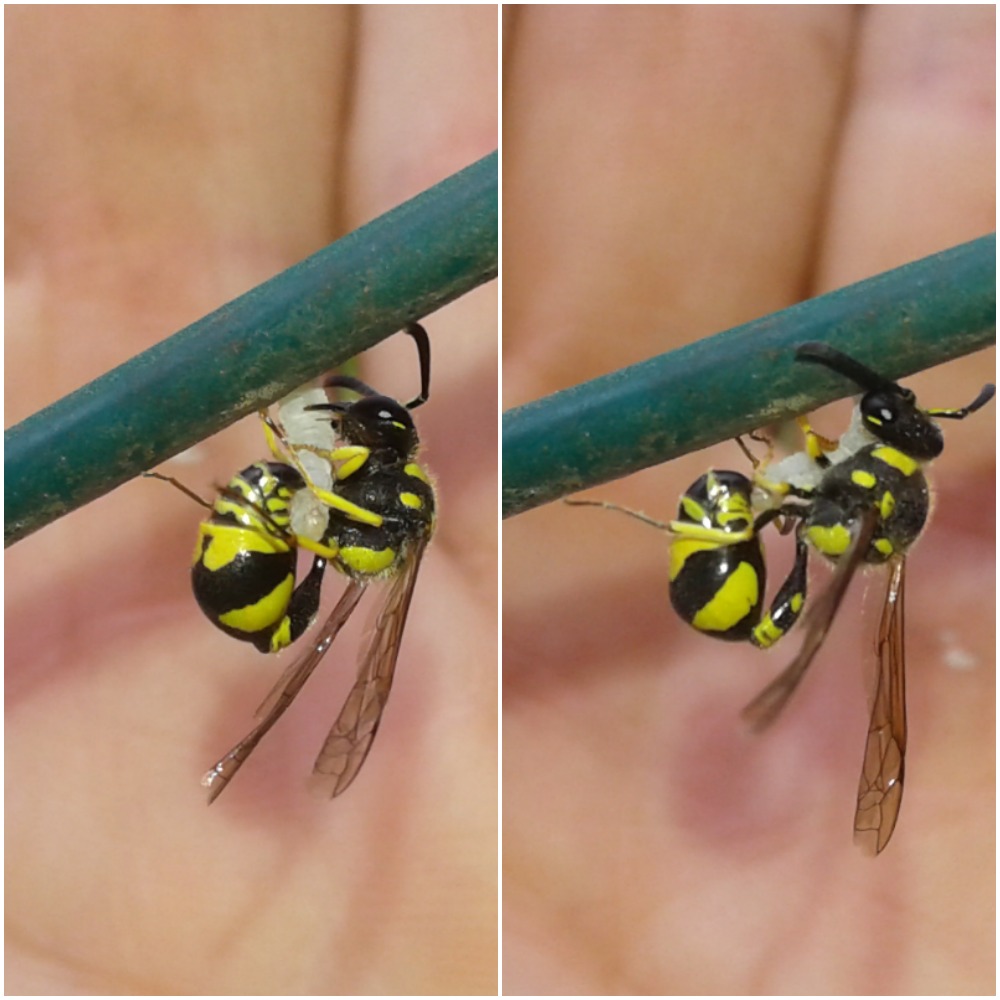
(342,382)
(419,334)
(859,374)
(349,382)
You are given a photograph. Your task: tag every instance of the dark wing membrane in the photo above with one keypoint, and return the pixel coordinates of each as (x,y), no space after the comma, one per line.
(765,708)
(351,737)
(880,790)
(284,692)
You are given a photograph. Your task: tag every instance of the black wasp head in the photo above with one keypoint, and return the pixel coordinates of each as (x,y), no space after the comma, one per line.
(889,411)
(374,421)
(381,424)
(891,414)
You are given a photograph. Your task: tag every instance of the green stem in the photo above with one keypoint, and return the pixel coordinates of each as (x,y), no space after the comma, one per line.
(252,351)
(899,322)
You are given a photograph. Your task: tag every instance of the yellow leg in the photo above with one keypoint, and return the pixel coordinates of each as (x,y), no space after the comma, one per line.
(276,442)
(324,551)
(349,459)
(699,533)
(816,445)
(284,452)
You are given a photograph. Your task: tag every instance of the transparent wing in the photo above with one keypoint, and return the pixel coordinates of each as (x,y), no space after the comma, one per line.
(284,692)
(351,737)
(766,707)
(880,790)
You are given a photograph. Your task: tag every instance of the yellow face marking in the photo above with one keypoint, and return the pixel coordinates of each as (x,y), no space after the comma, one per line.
(733,601)
(862,478)
(884,546)
(895,458)
(887,504)
(411,500)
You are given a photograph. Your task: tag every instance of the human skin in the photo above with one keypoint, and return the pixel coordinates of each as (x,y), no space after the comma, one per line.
(160,161)
(668,173)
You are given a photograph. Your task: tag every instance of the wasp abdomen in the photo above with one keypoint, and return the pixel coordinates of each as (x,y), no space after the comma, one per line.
(243,575)
(717,575)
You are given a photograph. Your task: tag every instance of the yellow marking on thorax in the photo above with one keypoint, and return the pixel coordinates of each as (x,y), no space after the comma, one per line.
(367,561)
(896,459)
(832,540)
(884,546)
(412,469)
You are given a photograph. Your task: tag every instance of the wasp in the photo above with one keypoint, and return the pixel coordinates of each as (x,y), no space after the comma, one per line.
(718,574)
(359,501)
(861,500)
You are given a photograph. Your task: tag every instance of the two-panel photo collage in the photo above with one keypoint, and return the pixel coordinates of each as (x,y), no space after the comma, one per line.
(500,500)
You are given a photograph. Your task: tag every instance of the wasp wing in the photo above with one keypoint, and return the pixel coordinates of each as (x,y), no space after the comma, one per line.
(351,737)
(766,707)
(880,790)
(284,692)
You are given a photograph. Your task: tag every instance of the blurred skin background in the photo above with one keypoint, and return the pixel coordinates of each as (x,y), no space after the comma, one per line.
(160,161)
(670,172)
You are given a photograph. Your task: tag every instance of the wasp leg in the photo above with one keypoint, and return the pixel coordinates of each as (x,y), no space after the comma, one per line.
(178,485)
(754,461)
(787,604)
(286,453)
(816,444)
(301,611)
(348,459)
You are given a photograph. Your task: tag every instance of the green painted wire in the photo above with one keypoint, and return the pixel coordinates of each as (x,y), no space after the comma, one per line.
(905,320)
(245,355)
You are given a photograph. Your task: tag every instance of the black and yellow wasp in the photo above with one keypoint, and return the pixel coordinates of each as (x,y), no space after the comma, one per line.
(864,499)
(363,505)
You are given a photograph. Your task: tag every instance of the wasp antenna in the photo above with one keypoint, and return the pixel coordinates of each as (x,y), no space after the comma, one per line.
(348,382)
(328,407)
(987,393)
(830,357)
(419,335)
